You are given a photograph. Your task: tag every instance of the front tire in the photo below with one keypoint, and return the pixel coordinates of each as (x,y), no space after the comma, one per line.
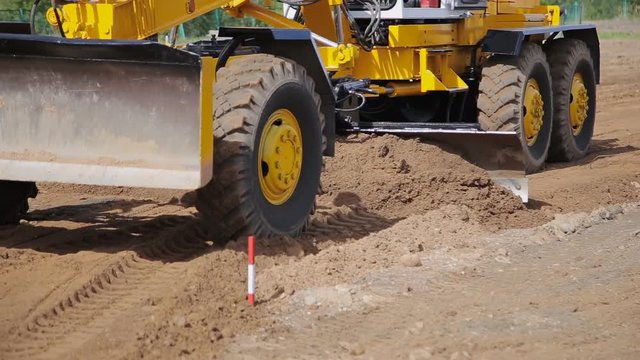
(268,131)
(15,200)
(515,95)
(574,94)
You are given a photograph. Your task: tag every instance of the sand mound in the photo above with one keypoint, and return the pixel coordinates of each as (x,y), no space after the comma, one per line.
(398,177)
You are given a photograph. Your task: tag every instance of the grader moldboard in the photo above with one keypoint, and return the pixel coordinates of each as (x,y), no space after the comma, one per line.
(247,117)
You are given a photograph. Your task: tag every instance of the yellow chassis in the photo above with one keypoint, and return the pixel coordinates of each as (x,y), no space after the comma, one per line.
(418,59)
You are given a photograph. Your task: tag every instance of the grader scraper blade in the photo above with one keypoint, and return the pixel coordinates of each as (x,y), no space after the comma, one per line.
(124,113)
(498,152)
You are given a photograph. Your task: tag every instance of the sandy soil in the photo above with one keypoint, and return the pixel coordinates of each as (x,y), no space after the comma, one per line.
(128,273)
(526,294)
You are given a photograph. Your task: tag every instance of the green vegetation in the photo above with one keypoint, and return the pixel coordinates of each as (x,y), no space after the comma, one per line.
(18,10)
(601,9)
(619,35)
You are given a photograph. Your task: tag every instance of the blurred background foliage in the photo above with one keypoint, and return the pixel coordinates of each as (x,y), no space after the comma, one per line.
(600,9)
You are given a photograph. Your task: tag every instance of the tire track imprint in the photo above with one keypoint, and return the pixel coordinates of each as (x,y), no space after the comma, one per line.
(353,221)
(116,234)
(45,237)
(88,310)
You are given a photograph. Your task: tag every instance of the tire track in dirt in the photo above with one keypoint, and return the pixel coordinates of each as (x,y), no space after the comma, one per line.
(42,242)
(49,238)
(211,297)
(149,255)
(346,221)
(89,309)
(154,257)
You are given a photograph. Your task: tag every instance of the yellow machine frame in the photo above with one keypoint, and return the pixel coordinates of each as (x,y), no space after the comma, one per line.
(418,59)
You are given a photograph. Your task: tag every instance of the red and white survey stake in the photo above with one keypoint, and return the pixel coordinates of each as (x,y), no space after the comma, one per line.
(251,281)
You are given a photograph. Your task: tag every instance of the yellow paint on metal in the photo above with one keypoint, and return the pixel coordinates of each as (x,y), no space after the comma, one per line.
(554,10)
(319,18)
(405,88)
(346,54)
(579,106)
(428,80)
(130,19)
(533,110)
(471,30)
(329,58)
(280,156)
(383,63)
(422,35)
(431,70)
(410,55)
(339,58)
(452,81)
(206,115)
(551,13)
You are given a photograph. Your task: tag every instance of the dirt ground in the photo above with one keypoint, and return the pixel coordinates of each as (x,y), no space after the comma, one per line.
(413,253)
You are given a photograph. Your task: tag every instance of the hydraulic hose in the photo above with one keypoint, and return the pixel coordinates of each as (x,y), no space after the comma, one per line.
(32,16)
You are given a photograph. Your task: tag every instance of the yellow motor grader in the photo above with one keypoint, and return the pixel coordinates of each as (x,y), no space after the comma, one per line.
(247,116)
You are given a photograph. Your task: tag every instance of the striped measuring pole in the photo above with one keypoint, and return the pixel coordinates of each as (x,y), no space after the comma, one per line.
(251,276)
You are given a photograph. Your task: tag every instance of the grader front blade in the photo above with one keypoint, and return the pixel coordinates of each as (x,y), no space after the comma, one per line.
(126,113)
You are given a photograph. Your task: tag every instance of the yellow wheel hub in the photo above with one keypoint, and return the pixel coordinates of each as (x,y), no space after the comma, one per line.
(579,106)
(534,112)
(280,156)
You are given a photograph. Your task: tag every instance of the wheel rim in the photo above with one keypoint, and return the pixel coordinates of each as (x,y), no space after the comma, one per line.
(579,107)
(534,112)
(280,157)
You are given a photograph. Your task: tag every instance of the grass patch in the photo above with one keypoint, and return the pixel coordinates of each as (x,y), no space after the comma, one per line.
(619,35)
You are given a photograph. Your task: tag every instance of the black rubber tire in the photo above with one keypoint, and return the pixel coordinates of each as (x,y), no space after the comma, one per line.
(247,92)
(566,57)
(15,200)
(501,96)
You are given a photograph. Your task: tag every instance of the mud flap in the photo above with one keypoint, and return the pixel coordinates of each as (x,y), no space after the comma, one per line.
(498,152)
(125,113)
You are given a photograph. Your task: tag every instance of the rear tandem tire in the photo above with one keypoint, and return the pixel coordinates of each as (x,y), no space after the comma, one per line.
(502,101)
(15,200)
(572,71)
(261,100)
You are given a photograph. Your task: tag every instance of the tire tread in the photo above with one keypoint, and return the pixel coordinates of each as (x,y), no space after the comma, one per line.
(501,91)
(562,55)
(241,89)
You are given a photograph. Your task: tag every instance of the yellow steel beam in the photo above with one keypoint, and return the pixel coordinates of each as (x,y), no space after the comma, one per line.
(139,19)
(428,80)
(422,35)
(318,17)
(130,19)
(384,63)
(206,115)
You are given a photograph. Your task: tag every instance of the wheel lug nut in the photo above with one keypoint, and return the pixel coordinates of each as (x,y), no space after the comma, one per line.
(277,150)
(277,165)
